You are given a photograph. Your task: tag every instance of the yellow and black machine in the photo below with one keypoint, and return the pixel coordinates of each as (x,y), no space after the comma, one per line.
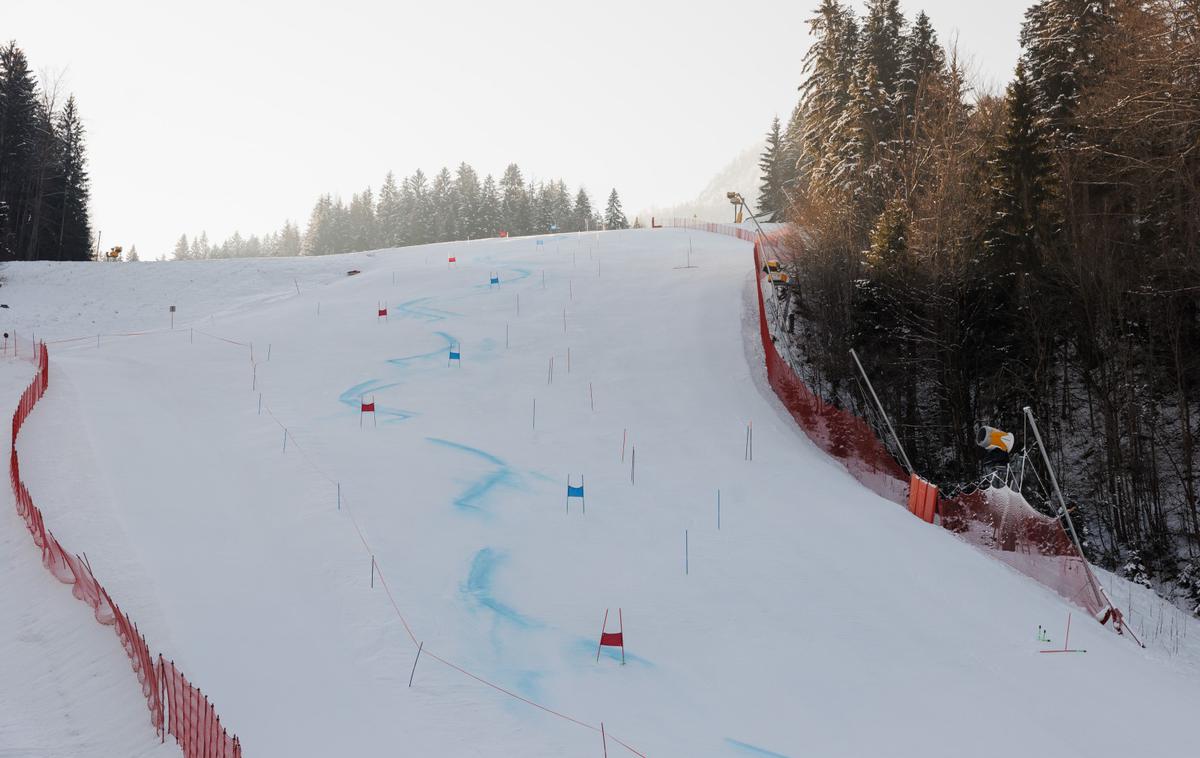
(739,205)
(114,254)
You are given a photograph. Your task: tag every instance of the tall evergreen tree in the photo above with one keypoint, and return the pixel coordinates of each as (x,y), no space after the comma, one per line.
(183,250)
(467,202)
(614,217)
(581,216)
(489,208)
(389,214)
(18,138)
(75,232)
(1062,41)
(771,198)
(444,206)
(515,215)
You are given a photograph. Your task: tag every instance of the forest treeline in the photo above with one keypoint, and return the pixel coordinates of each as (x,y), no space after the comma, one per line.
(417,210)
(43,168)
(984,252)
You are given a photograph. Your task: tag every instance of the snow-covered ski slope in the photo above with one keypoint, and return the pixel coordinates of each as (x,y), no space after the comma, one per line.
(818,620)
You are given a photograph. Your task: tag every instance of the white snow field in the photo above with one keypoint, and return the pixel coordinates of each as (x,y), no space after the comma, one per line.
(819,620)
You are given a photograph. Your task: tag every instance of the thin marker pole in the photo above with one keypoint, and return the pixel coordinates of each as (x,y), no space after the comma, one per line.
(564,319)
(685,552)
(506,335)
(372,572)
(571,288)
(603,738)
(254,376)
(592,397)
(191,335)
(420,647)
(632,464)
(339,490)
(268,352)
(285,440)
(297,283)
(260,403)
(535,413)
(624,433)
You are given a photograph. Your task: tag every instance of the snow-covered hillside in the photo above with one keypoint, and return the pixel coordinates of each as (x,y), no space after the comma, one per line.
(818,619)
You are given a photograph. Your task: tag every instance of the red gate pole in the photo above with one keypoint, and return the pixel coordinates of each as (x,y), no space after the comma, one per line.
(602,628)
(621,620)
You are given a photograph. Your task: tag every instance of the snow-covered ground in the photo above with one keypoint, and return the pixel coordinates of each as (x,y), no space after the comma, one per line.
(818,619)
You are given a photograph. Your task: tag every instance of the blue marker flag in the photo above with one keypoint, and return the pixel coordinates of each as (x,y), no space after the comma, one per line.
(574,491)
(494,280)
(455,356)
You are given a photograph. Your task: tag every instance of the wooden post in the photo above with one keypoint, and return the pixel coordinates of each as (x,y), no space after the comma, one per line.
(420,647)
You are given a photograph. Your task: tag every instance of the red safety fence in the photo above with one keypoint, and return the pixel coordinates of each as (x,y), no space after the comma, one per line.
(174,704)
(998,520)
(1002,522)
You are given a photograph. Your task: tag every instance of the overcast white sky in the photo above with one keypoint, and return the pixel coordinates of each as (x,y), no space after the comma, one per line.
(224,115)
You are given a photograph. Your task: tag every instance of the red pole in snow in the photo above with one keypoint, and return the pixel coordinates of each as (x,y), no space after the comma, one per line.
(603,626)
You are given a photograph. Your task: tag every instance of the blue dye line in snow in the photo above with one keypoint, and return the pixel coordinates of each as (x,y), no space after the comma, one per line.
(748,748)
(415,309)
(475,496)
(440,353)
(353,396)
(479,588)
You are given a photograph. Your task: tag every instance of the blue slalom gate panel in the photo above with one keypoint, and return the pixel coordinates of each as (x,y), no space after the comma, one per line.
(574,491)
(494,280)
(455,356)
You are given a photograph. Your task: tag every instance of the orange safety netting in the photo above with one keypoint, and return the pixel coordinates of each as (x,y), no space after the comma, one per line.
(176,707)
(1002,522)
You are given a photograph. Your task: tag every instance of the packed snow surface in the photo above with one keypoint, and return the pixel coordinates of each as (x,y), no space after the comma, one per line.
(818,619)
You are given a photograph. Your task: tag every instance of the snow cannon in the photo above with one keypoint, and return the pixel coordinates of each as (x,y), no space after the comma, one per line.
(991,438)
(997,444)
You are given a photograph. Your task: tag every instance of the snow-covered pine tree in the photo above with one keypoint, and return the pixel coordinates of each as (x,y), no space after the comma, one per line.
(772,202)
(581,217)
(183,250)
(489,208)
(812,150)
(18,135)
(614,217)
(466,202)
(132,257)
(1062,39)
(75,232)
(444,207)
(514,202)
(388,214)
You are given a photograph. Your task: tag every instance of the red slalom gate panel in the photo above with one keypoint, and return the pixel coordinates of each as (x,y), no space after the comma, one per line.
(175,706)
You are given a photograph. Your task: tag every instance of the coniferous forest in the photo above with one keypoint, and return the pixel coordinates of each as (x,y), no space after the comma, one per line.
(418,210)
(43,168)
(983,252)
